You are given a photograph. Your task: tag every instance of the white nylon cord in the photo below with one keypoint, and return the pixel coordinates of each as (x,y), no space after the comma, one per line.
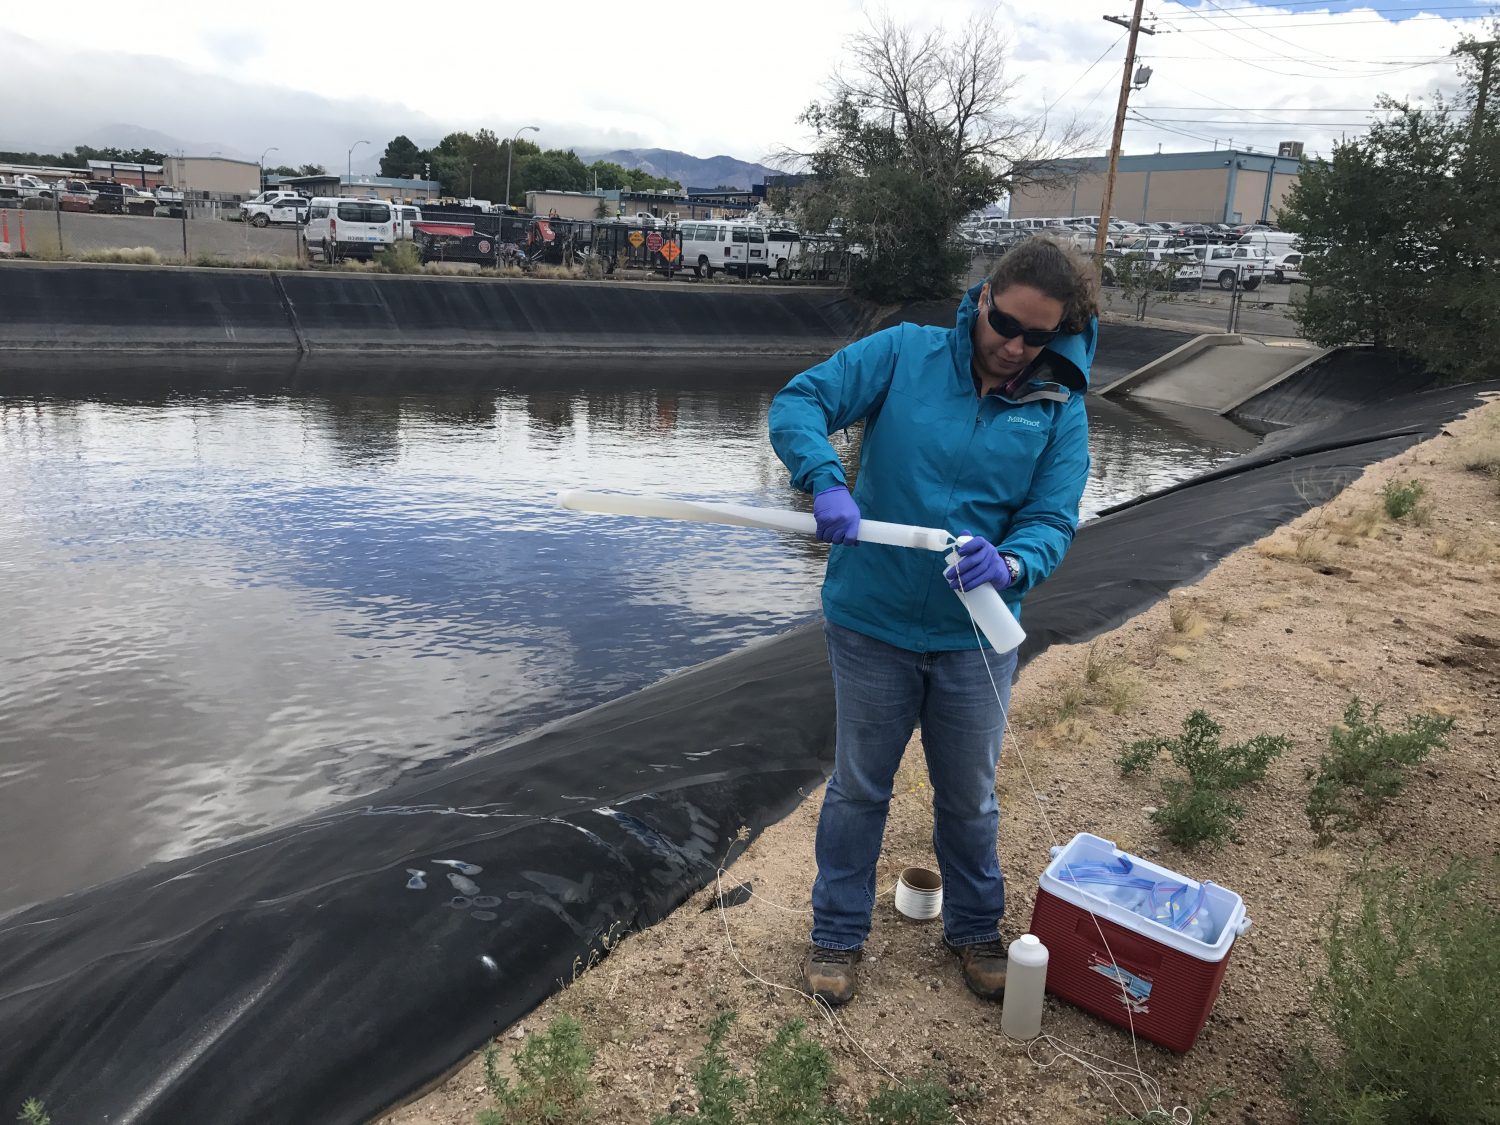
(1136,1081)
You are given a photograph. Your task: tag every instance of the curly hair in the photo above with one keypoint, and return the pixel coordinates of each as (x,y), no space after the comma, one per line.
(1057,269)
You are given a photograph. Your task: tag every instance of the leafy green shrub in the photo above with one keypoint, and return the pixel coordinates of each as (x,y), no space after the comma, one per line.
(33,1113)
(1408,999)
(923,1102)
(552,1078)
(1200,809)
(1401,499)
(399,257)
(1366,766)
(791,1081)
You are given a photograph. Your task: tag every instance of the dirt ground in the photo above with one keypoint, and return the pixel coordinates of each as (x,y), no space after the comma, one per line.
(1275,640)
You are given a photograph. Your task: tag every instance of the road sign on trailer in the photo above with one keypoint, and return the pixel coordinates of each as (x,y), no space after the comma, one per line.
(670,250)
(653,242)
(636,238)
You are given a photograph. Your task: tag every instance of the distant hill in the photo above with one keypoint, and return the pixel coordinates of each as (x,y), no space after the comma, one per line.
(687,170)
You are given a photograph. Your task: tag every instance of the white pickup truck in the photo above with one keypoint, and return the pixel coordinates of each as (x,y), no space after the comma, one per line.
(268,208)
(1228,265)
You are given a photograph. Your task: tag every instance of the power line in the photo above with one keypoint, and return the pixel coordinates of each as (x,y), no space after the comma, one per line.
(1330,77)
(1085,74)
(1229,14)
(1304,59)
(1329,23)
(1261,121)
(1265,108)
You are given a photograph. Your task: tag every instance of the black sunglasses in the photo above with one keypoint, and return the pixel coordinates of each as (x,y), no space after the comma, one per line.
(1009,328)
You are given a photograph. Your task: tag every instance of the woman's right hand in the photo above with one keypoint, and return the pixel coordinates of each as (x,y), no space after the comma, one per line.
(837,515)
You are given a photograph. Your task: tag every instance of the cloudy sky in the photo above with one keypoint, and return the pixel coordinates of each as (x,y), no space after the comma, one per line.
(312,79)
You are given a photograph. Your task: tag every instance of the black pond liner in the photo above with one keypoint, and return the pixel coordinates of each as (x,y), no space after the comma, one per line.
(322,971)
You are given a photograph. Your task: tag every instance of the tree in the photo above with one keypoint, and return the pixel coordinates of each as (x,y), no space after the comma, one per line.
(311,170)
(916,134)
(281,170)
(402,158)
(1399,239)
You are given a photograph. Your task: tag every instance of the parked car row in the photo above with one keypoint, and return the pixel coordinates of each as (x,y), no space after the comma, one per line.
(102,196)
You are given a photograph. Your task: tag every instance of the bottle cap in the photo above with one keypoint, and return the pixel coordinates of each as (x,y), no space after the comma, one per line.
(1030,939)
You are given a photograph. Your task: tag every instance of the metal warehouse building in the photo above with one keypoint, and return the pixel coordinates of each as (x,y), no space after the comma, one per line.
(1225,186)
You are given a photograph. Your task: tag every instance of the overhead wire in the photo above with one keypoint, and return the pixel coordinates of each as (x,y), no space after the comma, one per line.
(1085,74)
(1301,59)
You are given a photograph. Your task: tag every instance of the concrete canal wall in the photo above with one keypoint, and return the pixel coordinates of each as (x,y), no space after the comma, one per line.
(58,307)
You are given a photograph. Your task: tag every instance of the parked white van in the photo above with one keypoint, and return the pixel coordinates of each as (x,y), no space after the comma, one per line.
(349,228)
(733,246)
(1271,243)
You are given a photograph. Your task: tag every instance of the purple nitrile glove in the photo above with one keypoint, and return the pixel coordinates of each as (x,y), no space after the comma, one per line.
(838,516)
(978,562)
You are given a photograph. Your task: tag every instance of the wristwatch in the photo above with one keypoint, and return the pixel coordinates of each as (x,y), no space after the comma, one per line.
(1013,565)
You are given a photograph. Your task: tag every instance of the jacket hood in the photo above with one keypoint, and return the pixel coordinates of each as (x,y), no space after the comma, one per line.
(1066,360)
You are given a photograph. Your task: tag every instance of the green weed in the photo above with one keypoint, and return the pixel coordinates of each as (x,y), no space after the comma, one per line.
(1401,498)
(1404,999)
(1366,765)
(1200,809)
(551,1083)
(789,1086)
(923,1102)
(33,1113)
(1204,1112)
(399,257)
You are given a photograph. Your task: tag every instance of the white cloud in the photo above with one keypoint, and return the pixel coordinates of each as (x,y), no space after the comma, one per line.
(721,82)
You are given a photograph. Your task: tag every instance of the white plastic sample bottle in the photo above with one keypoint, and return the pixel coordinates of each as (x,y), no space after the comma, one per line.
(1025,985)
(989,611)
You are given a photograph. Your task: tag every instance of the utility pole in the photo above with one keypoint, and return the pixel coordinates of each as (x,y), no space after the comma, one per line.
(1484,82)
(1114,145)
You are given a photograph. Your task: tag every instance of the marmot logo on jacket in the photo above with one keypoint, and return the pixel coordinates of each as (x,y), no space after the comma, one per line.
(1020,421)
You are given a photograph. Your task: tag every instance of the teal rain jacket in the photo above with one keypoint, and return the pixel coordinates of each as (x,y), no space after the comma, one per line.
(937,455)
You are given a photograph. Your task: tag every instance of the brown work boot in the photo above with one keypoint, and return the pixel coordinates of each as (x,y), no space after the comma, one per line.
(984,964)
(831,974)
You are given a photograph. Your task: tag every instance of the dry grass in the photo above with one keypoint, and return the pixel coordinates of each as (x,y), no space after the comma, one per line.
(451,269)
(1443,547)
(558,272)
(1180,653)
(1186,620)
(123,255)
(1111,682)
(1361,523)
(1071,700)
(1311,547)
(255,262)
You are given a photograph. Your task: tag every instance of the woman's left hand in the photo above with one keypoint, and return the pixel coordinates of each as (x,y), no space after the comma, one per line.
(978,562)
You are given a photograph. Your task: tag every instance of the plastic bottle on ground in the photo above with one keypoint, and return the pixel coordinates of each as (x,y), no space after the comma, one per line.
(1025,985)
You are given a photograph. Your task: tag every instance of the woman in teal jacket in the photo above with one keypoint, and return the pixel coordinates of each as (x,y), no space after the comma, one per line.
(980,429)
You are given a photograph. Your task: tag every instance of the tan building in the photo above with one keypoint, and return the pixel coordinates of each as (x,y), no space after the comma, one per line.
(571,204)
(1226,186)
(216,175)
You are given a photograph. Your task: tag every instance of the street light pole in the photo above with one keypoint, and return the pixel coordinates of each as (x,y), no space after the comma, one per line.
(262,163)
(472,166)
(510,156)
(349,165)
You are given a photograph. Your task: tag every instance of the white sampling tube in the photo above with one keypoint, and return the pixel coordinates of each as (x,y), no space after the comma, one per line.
(744,515)
(983,603)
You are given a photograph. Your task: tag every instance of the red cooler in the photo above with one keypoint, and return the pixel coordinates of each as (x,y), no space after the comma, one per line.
(1162,979)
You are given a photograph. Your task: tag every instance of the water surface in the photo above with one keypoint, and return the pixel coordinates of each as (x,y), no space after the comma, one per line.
(233,597)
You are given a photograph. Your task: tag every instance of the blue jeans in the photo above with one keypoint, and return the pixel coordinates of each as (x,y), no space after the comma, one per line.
(881,693)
